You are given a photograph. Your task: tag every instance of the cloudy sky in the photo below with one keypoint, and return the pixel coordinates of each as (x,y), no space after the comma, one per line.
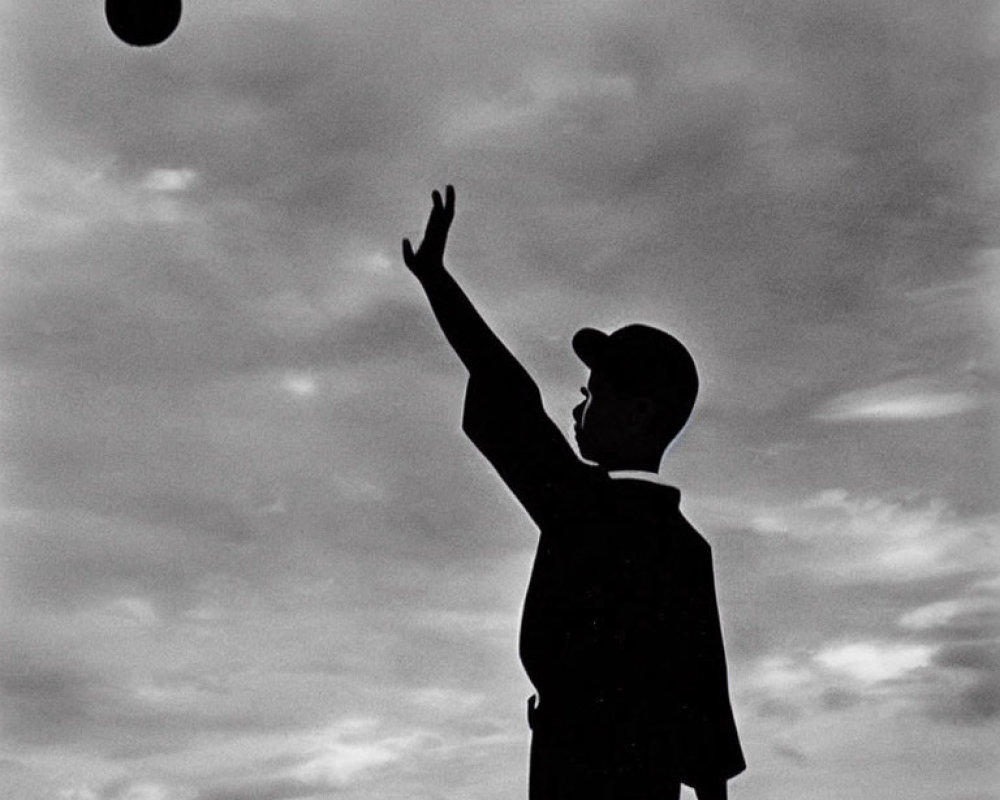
(247,553)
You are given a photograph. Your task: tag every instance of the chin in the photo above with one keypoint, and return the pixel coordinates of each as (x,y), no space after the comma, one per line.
(585,451)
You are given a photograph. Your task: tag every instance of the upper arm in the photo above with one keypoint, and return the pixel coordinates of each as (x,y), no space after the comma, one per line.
(505,419)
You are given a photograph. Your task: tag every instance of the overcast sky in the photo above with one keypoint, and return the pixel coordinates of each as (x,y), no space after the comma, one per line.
(247,553)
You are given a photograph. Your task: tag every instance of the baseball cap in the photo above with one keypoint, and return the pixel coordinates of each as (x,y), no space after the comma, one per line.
(641,359)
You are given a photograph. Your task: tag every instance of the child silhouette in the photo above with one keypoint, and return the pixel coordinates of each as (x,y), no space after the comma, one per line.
(620,634)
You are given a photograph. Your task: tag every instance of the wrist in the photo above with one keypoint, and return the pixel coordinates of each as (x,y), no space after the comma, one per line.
(430,271)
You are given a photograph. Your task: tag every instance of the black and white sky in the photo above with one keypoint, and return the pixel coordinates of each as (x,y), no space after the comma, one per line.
(247,553)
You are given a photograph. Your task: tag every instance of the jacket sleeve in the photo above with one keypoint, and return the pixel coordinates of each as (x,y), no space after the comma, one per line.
(708,742)
(505,419)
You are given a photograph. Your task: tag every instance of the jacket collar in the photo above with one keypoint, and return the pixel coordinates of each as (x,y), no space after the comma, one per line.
(636,474)
(647,477)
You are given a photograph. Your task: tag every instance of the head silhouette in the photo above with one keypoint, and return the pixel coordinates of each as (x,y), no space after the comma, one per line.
(640,393)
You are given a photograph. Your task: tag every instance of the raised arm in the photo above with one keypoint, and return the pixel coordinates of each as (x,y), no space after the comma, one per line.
(503,413)
(473,340)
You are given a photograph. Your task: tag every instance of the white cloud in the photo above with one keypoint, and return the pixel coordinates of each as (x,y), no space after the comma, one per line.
(857,537)
(780,674)
(768,523)
(378,264)
(134,610)
(61,201)
(447,701)
(840,666)
(472,623)
(360,278)
(300,384)
(176,693)
(945,613)
(342,761)
(539,94)
(78,793)
(346,750)
(170,180)
(138,790)
(900,400)
(932,615)
(874,662)
(145,791)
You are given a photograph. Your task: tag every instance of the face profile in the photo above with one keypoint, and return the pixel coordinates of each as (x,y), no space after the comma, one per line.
(649,380)
(614,428)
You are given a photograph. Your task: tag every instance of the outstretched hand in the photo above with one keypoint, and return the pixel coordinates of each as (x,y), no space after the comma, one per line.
(430,254)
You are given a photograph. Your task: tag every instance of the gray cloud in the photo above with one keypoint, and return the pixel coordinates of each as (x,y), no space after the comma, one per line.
(768,573)
(792,754)
(118,339)
(109,703)
(66,559)
(976,703)
(969,691)
(836,699)
(266,790)
(981,701)
(225,405)
(47,702)
(779,709)
(978,656)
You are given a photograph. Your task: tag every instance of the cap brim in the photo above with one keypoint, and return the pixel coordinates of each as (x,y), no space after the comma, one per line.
(590,345)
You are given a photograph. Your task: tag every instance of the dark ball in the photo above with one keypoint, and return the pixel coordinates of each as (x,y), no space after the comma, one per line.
(142,23)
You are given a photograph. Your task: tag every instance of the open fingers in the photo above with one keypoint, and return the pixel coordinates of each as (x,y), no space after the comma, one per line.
(442,213)
(448,205)
(436,232)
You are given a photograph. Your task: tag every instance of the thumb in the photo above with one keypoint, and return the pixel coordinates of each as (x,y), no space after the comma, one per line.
(408,257)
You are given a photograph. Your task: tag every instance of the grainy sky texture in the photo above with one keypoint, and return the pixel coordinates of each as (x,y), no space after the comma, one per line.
(247,553)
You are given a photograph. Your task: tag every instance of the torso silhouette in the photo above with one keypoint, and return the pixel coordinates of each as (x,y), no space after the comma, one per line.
(620,632)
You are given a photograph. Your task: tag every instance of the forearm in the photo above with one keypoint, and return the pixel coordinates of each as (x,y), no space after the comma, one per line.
(466,331)
(473,340)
